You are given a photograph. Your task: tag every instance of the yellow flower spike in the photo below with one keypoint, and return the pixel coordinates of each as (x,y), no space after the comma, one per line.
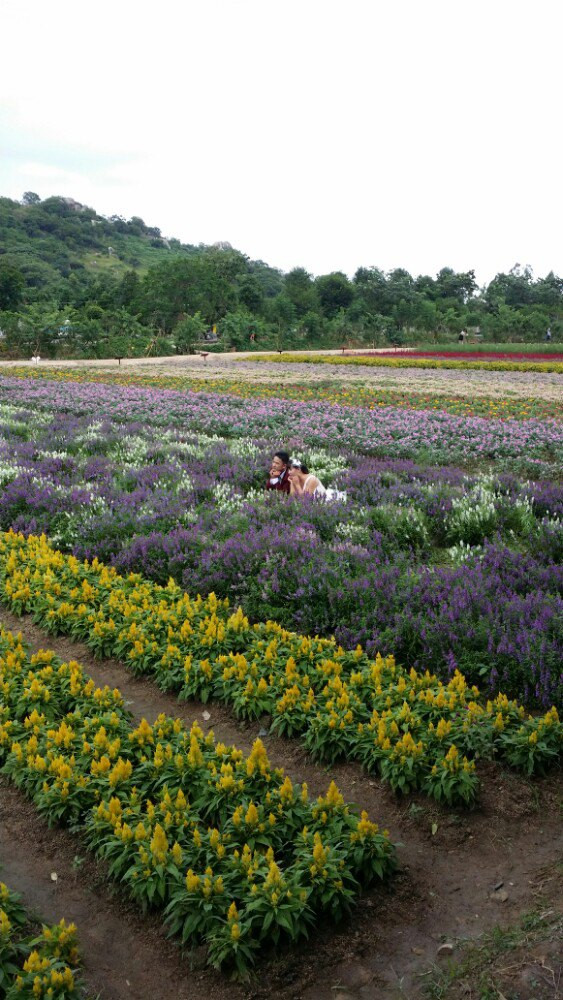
(252,817)
(193,882)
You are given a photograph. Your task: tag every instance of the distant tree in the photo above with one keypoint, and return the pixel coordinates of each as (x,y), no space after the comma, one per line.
(281,313)
(335,292)
(269,278)
(250,293)
(371,290)
(399,288)
(457,286)
(188,331)
(127,292)
(548,292)
(30,198)
(300,289)
(12,285)
(241,330)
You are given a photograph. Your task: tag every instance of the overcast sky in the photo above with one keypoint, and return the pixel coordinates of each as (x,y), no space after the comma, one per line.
(309,133)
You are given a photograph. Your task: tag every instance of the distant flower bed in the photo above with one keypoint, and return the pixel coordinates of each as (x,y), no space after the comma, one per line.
(473,355)
(408,360)
(343,394)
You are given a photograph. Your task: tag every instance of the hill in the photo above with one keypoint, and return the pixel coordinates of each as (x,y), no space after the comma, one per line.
(75,283)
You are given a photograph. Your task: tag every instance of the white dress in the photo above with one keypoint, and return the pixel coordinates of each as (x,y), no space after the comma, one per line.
(319,491)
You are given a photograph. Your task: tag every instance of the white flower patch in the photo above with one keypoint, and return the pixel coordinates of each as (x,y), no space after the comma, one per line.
(462,553)
(129,453)
(8,472)
(354,532)
(226,499)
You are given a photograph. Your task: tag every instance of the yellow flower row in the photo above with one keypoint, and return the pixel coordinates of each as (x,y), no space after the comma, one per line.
(341,702)
(182,819)
(375,360)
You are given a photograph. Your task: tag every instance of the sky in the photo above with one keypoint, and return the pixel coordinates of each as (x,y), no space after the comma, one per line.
(312,133)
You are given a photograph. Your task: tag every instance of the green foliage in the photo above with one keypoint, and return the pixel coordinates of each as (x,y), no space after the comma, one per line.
(12,284)
(64,257)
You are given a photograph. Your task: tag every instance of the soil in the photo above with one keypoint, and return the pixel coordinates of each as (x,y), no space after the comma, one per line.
(472,382)
(444,891)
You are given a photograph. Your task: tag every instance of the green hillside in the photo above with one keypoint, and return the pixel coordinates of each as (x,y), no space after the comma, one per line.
(53,239)
(76,284)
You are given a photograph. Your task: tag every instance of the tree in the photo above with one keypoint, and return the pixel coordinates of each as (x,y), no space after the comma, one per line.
(371,289)
(127,292)
(457,286)
(240,329)
(250,293)
(300,289)
(30,198)
(335,292)
(12,284)
(188,331)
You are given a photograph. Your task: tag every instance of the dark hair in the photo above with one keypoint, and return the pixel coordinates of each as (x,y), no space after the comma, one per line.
(283,455)
(301,466)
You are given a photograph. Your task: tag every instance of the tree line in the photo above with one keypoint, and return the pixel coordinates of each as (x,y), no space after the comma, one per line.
(76,284)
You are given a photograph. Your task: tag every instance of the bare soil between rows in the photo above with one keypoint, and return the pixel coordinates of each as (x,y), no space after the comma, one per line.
(384,951)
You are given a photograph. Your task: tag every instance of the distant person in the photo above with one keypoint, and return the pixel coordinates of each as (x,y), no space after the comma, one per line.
(303,482)
(279,473)
(548,334)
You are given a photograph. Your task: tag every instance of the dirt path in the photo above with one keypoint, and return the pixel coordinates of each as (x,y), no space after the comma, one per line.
(443,891)
(503,384)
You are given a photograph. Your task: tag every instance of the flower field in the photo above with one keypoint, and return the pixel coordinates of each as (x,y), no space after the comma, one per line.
(468,355)
(408,726)
(412,629)
(465,566)
(35,963)
(328,392)
(228,849)
(405,360)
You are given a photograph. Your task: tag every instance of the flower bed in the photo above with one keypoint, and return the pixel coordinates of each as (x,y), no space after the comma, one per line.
(235,855)
(436,436)
(407,361)
(418,733)
(345,394)
(474,355)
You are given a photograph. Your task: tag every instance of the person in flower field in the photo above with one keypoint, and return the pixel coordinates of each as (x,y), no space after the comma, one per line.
(302,482)
(279,473)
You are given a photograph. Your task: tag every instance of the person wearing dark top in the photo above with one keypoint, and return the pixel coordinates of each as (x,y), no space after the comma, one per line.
(279,473)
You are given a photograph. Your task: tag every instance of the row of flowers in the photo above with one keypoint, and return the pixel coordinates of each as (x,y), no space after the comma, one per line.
(35,964)
(438,436)
(481,355)
(415,731)
(405,361)
(345,393)
(235,854)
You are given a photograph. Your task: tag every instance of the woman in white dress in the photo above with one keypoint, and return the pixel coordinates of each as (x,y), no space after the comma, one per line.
(302,482)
